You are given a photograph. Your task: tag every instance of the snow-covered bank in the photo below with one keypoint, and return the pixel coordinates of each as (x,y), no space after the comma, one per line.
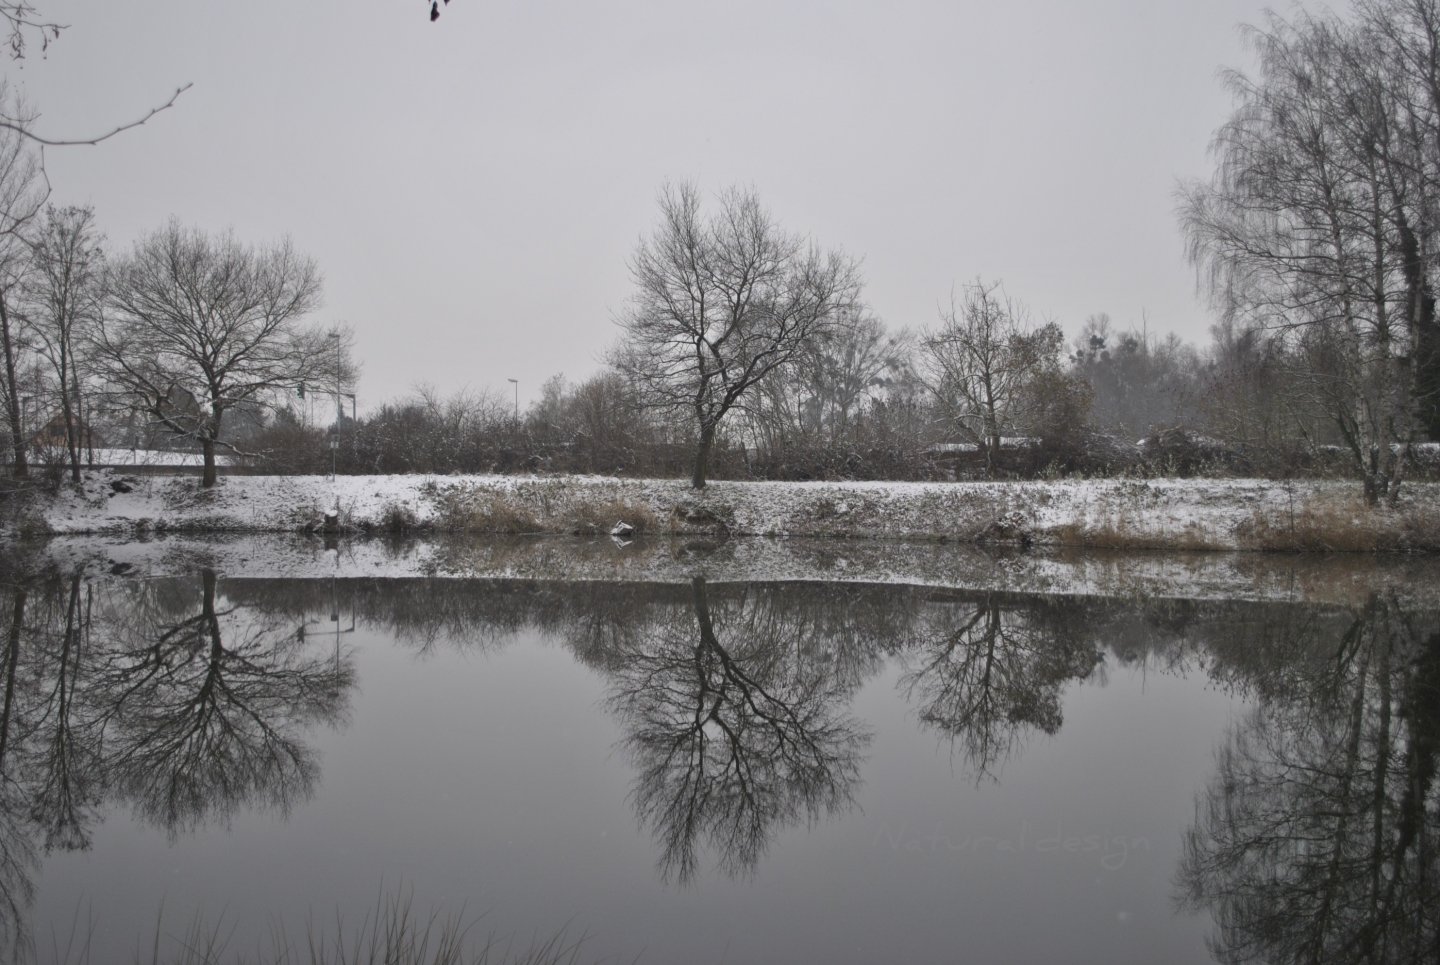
(1184,514)
(1350,580)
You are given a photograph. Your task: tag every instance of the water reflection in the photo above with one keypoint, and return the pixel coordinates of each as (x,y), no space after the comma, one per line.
(1316,838)
(985,674)
(186,701)
(157,696)
(734,728)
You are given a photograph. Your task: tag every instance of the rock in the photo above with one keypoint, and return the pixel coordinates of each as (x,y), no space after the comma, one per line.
(124,484)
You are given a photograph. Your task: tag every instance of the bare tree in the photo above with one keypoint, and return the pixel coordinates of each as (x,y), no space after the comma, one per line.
(198,325)
(979,363)
(722,302)
(23,190)
(819,396)
(1318,223)
(62,303)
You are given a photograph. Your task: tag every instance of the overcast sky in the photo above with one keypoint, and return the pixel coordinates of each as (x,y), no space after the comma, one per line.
(472,188)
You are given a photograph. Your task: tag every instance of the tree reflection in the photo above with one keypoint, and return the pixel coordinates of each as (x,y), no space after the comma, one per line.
(984,674)
(17,850)
(152,693)
(1316,840)
(734,735)
(206,713)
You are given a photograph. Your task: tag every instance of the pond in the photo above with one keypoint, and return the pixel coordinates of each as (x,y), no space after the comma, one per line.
(716,770)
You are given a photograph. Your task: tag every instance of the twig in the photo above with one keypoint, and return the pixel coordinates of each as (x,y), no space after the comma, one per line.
(19,126)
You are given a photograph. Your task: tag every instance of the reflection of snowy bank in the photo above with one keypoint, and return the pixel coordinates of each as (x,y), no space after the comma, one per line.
(1182,514)
(1412,579)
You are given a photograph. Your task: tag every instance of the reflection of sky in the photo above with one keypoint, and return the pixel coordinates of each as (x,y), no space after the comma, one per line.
(493,782)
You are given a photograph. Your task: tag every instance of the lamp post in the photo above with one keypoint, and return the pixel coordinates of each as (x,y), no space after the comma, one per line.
(516,383)
(339,406)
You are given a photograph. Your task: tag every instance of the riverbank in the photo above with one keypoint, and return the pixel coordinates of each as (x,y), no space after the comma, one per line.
(1168,514)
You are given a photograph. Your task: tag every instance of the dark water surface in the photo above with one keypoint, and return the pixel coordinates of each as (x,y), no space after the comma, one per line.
(722,772)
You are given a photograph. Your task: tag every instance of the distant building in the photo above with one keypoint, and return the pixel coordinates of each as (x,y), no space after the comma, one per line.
(51,435)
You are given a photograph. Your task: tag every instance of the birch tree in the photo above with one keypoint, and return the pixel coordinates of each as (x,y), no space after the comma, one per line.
(1318,224)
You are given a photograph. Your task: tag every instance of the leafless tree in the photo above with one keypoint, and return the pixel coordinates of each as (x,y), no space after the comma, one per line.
(198,325)
(23,190)
(1318,223)
(979,363)
(62,304)
(824,390)
(720,303)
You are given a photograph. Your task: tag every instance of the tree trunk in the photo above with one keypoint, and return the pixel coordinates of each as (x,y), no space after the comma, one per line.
(72,431)
(77,404)
(11,658)
(21,467)
(702,456)
(209,478)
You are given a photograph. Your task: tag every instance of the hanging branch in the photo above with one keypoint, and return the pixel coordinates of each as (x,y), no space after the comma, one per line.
(24,18)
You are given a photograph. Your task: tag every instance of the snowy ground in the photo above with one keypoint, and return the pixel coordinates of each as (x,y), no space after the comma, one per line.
(1184,514)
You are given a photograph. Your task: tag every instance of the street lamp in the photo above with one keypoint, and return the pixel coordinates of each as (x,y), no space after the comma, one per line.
(516,383)
(339,405)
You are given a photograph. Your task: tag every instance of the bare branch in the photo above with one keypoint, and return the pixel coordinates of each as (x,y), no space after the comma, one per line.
(21,125)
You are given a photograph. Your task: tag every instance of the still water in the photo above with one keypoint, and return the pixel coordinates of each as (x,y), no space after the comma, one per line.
(703,771)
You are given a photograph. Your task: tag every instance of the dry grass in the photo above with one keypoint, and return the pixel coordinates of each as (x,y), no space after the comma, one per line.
(531,510)
(398,518)
(597,517)
(393,933)
(465,509)
(1113,533)
(1342,525)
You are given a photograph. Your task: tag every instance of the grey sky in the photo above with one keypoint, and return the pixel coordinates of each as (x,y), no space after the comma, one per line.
(472,188)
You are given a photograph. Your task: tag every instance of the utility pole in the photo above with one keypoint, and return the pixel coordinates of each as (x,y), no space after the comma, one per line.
(516,383)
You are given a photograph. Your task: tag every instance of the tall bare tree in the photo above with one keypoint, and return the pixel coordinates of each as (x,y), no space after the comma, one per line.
(63,303)
(197,325)
(1319,222)
(720,303)
(23,190)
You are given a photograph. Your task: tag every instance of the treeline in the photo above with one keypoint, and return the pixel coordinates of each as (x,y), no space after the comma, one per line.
(866,402)
(748,351)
